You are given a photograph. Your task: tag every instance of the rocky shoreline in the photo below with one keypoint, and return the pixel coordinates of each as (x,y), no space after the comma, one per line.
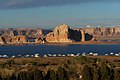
(52,43)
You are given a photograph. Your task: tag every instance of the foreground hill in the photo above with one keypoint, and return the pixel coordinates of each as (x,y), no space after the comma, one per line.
(61,68)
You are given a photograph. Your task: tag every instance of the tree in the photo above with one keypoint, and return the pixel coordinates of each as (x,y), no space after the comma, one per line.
(61,74)
(83,59)
(51,75)
(34,74)
(86,74)
(22,76)
(95,73)
(30,75)
(111,74)
(116,74)
(37,75)
(13,77)
(104,71)
(0,77)
(72,75)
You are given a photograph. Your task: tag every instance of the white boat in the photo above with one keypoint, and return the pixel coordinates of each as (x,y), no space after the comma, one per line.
(13,56)
(95,54)
(106,54)
(116,54)
(5,56)
(36,55)
(111,53)
(54,55)
(63,55)
(45,55)
(83,54)
(78,54)
(59,55)
(50,55)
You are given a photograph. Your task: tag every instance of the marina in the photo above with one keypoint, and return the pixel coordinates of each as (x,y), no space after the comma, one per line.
(44,50)
(57,55)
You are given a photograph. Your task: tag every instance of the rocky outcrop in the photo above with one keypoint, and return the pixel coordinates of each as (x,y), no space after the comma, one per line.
(21,35)
(83,35)
(39,40)
(19,39)
(59,34)
(102,33)
(2,41)
(106,32)
(62,33)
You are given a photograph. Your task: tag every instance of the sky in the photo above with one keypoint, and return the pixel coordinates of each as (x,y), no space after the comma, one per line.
(50,13)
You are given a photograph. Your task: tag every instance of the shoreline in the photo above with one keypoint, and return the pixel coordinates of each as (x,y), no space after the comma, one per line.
(62,43)
(89,56)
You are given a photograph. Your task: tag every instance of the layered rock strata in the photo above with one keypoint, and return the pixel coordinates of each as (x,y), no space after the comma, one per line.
(62,33)
(20,39)
(2,41)
(59,34)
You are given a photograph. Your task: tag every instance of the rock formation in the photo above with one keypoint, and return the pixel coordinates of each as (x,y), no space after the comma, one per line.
(102,33)
(59,34)
(20,39)
(39,40)
(75,35)
(20,35)
(83,35)
(2,40)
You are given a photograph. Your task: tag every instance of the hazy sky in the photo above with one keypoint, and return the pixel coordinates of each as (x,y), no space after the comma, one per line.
(49,13)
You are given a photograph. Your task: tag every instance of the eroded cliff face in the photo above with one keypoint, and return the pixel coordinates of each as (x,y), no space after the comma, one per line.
(19,39)
(2,41)
(19,35)
(102,33)
(59,34)
(39,40)
(63,33)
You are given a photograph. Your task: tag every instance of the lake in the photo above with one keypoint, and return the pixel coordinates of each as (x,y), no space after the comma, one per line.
(59,49)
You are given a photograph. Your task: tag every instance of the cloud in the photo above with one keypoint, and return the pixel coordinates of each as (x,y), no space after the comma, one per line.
(16,4)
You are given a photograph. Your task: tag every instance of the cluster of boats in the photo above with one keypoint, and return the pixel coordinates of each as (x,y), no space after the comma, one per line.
(58,55)
(80,54)
(20,56)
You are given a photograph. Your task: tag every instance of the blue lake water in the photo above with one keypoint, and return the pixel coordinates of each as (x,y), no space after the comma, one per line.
(59,49)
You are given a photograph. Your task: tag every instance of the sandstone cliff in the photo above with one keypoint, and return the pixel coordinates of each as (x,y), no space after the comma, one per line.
(20,35)
(39,40)
(19,39)
(59,34)
(103,33)
(2,41)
